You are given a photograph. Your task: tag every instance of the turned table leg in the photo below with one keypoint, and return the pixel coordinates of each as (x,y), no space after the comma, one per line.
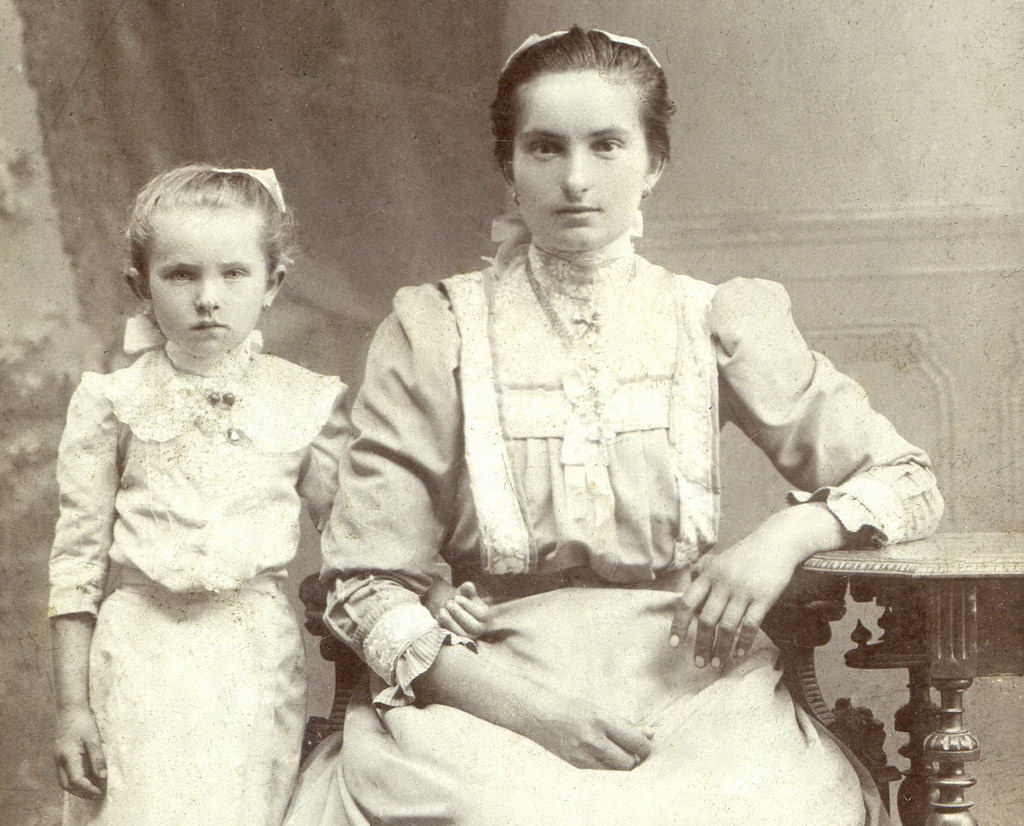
(918,718)
(950,746)
(952,632)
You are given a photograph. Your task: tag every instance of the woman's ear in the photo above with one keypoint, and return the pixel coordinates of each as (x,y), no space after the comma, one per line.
(653,175)
(274,281)
(138,282)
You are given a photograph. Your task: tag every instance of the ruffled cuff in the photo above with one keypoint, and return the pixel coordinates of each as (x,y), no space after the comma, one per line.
(416,659)
(402,644)
(869,510)
(883,505)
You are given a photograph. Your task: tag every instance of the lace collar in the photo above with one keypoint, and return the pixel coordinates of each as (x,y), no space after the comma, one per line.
(271,403)
(580,277)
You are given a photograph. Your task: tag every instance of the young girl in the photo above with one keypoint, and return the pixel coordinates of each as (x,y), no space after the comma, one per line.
(179,663)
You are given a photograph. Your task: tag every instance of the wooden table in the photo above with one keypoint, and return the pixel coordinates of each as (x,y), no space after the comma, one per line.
(953,610)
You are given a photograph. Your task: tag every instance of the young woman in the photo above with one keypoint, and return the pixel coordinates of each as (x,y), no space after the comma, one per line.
(548,429)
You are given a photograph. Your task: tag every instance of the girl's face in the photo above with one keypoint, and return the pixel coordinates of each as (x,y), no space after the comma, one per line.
(580,164)
(209,278)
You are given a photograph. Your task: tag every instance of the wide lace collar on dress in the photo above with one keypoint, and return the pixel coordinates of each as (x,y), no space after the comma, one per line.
(269,402)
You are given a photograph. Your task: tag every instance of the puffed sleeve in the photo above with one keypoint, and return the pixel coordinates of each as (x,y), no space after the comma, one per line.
(87,476)
(318,483)
(816,424)
(396,494)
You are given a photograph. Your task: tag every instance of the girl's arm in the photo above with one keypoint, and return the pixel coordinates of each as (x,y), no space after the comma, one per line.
(81,767)
(859,480)
(88,477)
(318,479)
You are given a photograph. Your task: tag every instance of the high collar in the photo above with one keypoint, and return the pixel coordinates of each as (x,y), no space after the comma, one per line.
(575,275)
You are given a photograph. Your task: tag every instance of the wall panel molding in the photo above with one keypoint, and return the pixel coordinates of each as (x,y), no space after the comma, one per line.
(844,225)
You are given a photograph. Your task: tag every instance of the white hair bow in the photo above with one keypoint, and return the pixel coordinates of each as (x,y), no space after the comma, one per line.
(534,39)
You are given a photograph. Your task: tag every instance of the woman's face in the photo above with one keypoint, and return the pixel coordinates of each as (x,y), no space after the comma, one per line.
(580,163)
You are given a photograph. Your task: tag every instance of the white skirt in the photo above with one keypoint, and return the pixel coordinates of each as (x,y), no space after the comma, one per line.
(200,702)
(730,748)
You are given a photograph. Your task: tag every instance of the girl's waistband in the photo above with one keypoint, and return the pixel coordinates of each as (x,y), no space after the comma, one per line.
(131,579)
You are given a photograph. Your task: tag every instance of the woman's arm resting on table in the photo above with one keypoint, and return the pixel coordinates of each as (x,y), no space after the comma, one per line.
(734,588)
(585,736)
(81,767)
(857,475)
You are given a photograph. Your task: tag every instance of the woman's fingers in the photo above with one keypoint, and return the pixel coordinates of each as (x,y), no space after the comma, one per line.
(633,741)
(707,623)
(727,633)
(619,746)
(751,625)
(691,602)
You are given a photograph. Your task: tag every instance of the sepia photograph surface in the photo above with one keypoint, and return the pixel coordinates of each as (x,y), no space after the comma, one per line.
(866,155)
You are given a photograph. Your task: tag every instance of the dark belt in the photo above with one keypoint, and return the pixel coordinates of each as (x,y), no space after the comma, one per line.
(505,587)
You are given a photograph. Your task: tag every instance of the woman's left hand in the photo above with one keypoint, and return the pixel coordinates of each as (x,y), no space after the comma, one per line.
(733,589)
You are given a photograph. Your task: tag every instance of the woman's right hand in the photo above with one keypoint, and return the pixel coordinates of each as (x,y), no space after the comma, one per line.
(584,735)
(81,766)
(578,732)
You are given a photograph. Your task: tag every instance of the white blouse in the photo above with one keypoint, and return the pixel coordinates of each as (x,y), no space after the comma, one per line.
(194,481)
(408,512)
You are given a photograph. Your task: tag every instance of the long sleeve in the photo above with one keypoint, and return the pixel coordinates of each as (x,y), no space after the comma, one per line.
(816,424)
(87,476)
(397,493)
(318,483)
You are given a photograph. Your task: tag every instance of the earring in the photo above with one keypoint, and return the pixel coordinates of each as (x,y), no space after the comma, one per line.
(266,303)
(515,197)
(645,193)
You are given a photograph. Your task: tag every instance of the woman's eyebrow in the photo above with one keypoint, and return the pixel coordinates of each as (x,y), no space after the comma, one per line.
(176,265)
(541,133)
(604,132)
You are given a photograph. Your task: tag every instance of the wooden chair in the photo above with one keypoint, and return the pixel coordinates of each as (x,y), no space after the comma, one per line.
(348,668)
(798,624)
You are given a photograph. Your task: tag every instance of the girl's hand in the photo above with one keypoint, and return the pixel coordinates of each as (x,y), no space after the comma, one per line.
(81,767)
(733,589)
(585,736)
(460,610)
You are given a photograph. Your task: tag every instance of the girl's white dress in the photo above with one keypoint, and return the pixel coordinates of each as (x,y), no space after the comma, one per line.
(575,476)
(180,498)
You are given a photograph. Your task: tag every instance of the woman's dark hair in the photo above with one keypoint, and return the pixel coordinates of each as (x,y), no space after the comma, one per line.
(579,50)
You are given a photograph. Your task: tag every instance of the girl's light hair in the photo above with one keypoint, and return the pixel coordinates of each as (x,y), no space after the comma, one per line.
(202,185)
